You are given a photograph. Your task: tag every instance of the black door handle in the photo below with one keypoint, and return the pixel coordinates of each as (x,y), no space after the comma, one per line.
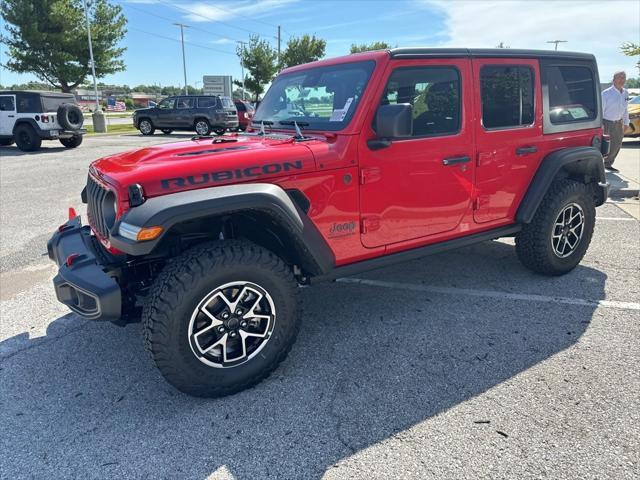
(455,160)
(11,116)
(526,150)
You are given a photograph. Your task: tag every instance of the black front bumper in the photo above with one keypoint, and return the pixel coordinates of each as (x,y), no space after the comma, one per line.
(83,283)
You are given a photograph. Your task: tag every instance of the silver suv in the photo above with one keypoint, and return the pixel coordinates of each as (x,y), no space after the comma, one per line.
(202,113)
(28,117)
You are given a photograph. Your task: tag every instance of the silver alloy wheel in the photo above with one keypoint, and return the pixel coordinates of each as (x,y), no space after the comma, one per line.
(231,324)
(145,127)
(567,230)
(202,128)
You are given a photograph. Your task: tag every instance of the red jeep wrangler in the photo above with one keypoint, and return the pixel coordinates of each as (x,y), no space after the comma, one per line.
(351,164)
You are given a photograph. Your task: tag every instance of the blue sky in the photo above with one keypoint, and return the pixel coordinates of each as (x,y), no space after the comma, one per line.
(154,56)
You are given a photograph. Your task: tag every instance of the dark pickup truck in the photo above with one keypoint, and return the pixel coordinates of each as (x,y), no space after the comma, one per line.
(202,113)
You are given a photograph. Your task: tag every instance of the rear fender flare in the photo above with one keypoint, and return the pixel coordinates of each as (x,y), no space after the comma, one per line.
(583,163)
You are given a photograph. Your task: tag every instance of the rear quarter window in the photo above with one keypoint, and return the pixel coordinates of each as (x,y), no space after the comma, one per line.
(207,102)
(572,96)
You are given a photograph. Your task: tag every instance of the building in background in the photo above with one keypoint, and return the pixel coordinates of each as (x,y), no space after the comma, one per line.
(217,85)
(142,100)
(86,99)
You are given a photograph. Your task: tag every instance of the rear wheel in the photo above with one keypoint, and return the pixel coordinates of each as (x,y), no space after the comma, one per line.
(166,131)
(72,142)
(202,127)
(557,239)
(219,131)
(146,127)
(27,139)
(220,318)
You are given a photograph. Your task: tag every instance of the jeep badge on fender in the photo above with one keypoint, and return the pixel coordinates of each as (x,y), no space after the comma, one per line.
(206,241)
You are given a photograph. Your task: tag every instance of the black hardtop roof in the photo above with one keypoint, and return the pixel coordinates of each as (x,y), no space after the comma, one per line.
(44,93)
(425,52)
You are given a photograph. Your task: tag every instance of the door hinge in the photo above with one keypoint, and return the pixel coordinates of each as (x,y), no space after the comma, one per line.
(369,224)
(369,175)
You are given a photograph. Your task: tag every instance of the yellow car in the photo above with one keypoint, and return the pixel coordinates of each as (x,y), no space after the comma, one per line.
(634,117)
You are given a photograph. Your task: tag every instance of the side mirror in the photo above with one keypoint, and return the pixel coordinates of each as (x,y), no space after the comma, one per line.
(392,122)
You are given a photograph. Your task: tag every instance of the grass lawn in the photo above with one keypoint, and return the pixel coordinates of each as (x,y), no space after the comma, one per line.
(124,128)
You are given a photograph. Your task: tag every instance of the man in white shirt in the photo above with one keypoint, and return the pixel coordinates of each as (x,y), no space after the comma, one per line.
(615,116)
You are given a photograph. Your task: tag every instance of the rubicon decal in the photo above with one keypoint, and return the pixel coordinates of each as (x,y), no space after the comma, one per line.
(236,174)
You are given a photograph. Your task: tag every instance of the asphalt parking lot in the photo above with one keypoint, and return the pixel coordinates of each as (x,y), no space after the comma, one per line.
(461,365)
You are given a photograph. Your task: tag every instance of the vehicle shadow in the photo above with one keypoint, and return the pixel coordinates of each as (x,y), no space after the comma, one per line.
(369,363)
(16,152)
(631,144)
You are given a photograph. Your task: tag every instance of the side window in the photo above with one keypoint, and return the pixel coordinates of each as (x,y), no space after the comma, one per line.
(185,102)
(507,96)
(28,103)
(571,94)
(167,103)
(434,93)
(207,102)
(7,104)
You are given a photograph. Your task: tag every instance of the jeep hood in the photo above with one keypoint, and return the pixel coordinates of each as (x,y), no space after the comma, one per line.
(174,167)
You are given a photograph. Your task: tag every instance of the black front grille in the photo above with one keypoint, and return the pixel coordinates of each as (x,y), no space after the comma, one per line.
(96,194)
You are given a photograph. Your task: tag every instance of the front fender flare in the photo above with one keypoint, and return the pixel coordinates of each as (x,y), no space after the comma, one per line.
(169,210)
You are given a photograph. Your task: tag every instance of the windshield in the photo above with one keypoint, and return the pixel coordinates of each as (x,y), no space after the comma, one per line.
(322,98)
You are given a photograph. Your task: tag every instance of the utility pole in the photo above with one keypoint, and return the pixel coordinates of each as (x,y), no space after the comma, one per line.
(557,42)
(184,62)
(99,124)
(278,44)
(242,66)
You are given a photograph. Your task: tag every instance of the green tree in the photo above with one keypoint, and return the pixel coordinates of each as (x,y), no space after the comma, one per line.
(369,47)
(631,50)
(260,60)
(48,38)
(303,49)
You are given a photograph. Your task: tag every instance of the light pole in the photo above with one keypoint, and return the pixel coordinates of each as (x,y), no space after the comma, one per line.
(557,42)
(242,67)
(99,124)
(184,62)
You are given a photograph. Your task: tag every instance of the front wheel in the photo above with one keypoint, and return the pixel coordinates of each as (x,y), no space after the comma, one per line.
(220,318)
(557,239)
(71,142)
(146,127)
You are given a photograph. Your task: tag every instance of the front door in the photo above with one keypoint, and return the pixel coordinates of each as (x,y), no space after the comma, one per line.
(507,135)
(165,113)
(7,114)
(421,185)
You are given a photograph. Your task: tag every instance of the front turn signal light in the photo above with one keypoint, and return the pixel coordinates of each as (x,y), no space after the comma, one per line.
(149,233)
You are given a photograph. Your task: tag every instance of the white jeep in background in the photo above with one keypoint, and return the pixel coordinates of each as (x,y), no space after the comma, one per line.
(28,117)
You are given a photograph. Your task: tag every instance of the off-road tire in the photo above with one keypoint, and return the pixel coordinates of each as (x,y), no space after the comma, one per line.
(166,131)
(534,242)
(72,142)
(70,116)
(5,142)
(27,139)
(144,130)
(189,278)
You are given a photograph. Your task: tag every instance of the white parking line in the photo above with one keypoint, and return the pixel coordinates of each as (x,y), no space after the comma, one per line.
(495,294)
(621,219)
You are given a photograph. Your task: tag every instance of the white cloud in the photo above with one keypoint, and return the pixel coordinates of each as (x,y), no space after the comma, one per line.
(211,12)
(597,27)
(222,41)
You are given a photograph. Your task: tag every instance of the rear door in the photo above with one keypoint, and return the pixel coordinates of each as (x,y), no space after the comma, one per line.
(7,114)
(185,111)
(508,133)
(420,186)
